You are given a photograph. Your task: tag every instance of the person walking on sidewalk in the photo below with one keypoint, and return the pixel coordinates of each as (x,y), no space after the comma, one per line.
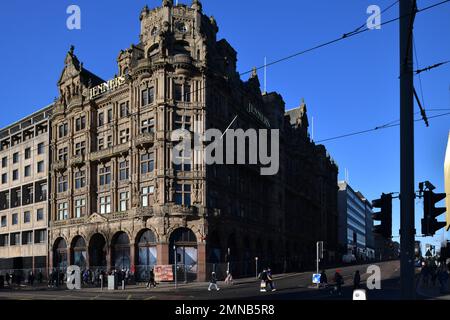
(213,282)
(356,280)
(270,280)
(264,279)
(151,280)
(339,281)
(323,279)
(443,278)
(229,278)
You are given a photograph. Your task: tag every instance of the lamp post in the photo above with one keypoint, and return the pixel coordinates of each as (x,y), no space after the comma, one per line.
(256,263)
(175,267)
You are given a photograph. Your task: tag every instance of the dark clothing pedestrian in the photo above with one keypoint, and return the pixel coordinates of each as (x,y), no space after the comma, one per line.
(151,280)
(39,277)
(31,278)
(270,280)
(339,282)
(323,278)
(356,280)
(213,282)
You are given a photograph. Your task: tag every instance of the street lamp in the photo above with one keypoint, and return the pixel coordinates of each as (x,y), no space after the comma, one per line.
(256,263)
(175,267)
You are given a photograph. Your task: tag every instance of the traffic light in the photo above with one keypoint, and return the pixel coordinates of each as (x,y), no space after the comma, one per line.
(429,222)
(384,215)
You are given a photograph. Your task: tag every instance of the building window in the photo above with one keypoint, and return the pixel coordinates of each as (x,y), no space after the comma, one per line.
(27,153)
(62,183)
(62,154)
(63,130)
(4,221)
(4,162)
(40,236)
(124,170)
(183,194)
(40,167)
(124,136)
(80,208)
(178,95)
(148,125)
(39,214)
(104,175)
(123,203)
(148,96)
(27,171)
(27,237)
(14,239)
(100,144)
(182,160)
(80,148)
(4,178)
(145,196)
(40,148)
(109,142)
(80,123)
(147,163)
(105,204)
(124,109)
(14,219)
(182,122)
(4,240)
(16,157)
(187,93)
(15,174)
(101,119)
(110,116)
(80,179)
(63,211)
(26,217)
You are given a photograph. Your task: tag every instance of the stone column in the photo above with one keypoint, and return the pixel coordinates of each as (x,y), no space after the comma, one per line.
(162,251)
(201,262)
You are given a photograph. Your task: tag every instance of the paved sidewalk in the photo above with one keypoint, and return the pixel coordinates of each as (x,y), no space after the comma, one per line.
(162,287)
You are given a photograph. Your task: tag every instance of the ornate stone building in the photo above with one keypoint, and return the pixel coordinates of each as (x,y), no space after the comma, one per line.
(118,199)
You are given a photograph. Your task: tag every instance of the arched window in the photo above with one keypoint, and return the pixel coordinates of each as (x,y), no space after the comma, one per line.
(183,246)
(147,254)
(121,251)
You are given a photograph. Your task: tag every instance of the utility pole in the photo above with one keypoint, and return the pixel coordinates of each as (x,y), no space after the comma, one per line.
(407,195)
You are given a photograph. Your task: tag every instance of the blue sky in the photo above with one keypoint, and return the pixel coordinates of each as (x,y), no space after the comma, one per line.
(348,86)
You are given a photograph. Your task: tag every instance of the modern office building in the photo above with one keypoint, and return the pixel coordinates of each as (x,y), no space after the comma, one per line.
(120,197)
(24,150)
(355,223)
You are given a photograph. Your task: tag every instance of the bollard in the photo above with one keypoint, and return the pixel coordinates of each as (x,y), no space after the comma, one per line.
(101,282)
(123,284)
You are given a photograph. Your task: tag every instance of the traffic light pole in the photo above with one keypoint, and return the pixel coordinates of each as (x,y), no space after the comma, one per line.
(407,194)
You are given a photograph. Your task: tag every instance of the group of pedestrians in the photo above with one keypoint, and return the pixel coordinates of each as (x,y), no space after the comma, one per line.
(338,280)
(16,278)
(432,272)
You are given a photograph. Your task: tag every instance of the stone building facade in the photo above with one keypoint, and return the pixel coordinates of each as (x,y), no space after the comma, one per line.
(24,149)
(118,199)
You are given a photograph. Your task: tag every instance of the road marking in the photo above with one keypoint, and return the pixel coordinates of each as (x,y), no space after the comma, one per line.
(93,298)
(129,297)
(149,298)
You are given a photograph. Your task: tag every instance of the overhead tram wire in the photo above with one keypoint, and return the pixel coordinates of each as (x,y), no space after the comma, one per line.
(385,126)
(343,37)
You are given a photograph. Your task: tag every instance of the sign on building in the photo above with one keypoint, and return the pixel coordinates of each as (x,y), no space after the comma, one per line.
(163,273)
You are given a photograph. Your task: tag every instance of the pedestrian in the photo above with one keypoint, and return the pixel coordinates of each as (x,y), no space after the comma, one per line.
(339,281)
(424,274)
(213,282)
(270,280)
(263,277)
(356,280)
(323,279)
(39,277)
(229,278)
(151,280)
(31,278)
(7,279)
